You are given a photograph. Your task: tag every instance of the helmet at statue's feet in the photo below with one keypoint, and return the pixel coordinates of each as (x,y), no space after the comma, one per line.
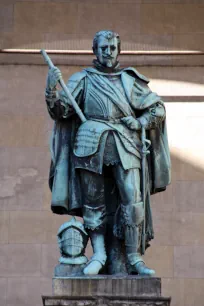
(93,268)
(142,269)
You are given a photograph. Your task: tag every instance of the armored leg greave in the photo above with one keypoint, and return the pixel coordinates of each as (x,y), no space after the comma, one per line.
(133,216)
(98,245)
(132,238)
(99,257)
(94,215)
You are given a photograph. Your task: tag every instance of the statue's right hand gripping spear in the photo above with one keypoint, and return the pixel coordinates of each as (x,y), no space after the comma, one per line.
(64,87)
(145,146)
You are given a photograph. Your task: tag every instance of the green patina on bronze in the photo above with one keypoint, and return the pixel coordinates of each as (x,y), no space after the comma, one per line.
(105,168)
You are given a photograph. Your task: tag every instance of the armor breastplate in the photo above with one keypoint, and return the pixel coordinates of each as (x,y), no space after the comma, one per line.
(98,105)
(101,108)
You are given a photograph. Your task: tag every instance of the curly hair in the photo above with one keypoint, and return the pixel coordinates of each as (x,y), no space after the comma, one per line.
(107,34)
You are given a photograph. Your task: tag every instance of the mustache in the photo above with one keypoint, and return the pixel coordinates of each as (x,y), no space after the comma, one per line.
(108,57)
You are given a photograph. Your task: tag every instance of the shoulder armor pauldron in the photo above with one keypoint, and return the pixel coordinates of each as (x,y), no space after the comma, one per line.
(136,73)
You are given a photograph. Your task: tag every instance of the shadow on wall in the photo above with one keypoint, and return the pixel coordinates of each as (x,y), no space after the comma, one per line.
(186,167)
(186,192)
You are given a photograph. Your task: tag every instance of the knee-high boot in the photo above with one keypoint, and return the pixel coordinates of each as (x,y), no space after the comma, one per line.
(133,218)
(99,257)
(134,258)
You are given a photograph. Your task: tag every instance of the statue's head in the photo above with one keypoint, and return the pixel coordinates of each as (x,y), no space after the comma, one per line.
(106,47)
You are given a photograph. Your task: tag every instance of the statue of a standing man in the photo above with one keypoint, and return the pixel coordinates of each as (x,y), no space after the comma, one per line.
(117,104)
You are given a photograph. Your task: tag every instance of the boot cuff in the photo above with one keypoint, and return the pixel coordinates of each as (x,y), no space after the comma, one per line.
(94,218)
(99,257)
(134,258)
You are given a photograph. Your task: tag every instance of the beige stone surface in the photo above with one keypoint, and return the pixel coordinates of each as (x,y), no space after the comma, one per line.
(188,229)
(163,18)
(184,292)
(121,10)
(155,1)
(191,21)
(46,286)
(189,1)
(194,292)
(6,17)
(19,193)
(145,41)
(166,77)
(6,40)
(194,133)
(49,259)
(163,228)
(4,227)
(34,160)
(38,226)
(15,126)
(89,250)
(20,260)
(188,262)
(160,258)
(33,229)
(187,60)
(83,41)
(188,196)
(186,170)
(47,196)
(174,287)
(163,201)
(152,24)
(16,98)
(22,174)
(3,291)
(188,42)
(49,16)
(24,291)
(169,18)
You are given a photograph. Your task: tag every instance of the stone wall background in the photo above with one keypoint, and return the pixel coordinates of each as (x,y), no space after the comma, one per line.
(28,248)
(68,24)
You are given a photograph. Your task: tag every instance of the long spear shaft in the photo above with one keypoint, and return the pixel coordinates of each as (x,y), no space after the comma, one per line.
(145,151)
(64,87)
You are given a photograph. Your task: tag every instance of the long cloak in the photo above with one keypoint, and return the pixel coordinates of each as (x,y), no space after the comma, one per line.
(64,179)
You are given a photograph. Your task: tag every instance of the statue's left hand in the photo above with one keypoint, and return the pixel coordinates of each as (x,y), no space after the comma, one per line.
(131,123)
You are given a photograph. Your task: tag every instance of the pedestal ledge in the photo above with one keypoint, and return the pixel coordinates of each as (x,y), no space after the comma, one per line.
(105,301)
(106,290)
(102,285)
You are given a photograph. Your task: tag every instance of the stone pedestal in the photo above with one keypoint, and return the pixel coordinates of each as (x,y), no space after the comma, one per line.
(63,270)
(106,290)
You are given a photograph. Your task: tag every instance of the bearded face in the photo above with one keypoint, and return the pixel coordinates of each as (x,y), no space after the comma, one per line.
(107,51)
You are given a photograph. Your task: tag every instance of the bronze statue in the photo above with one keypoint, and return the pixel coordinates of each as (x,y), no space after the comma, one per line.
(101,168)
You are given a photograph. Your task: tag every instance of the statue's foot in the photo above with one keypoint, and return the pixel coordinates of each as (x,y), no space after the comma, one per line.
(141,269)
(93,268)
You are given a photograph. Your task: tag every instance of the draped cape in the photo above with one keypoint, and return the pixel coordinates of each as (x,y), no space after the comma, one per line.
(64,179)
